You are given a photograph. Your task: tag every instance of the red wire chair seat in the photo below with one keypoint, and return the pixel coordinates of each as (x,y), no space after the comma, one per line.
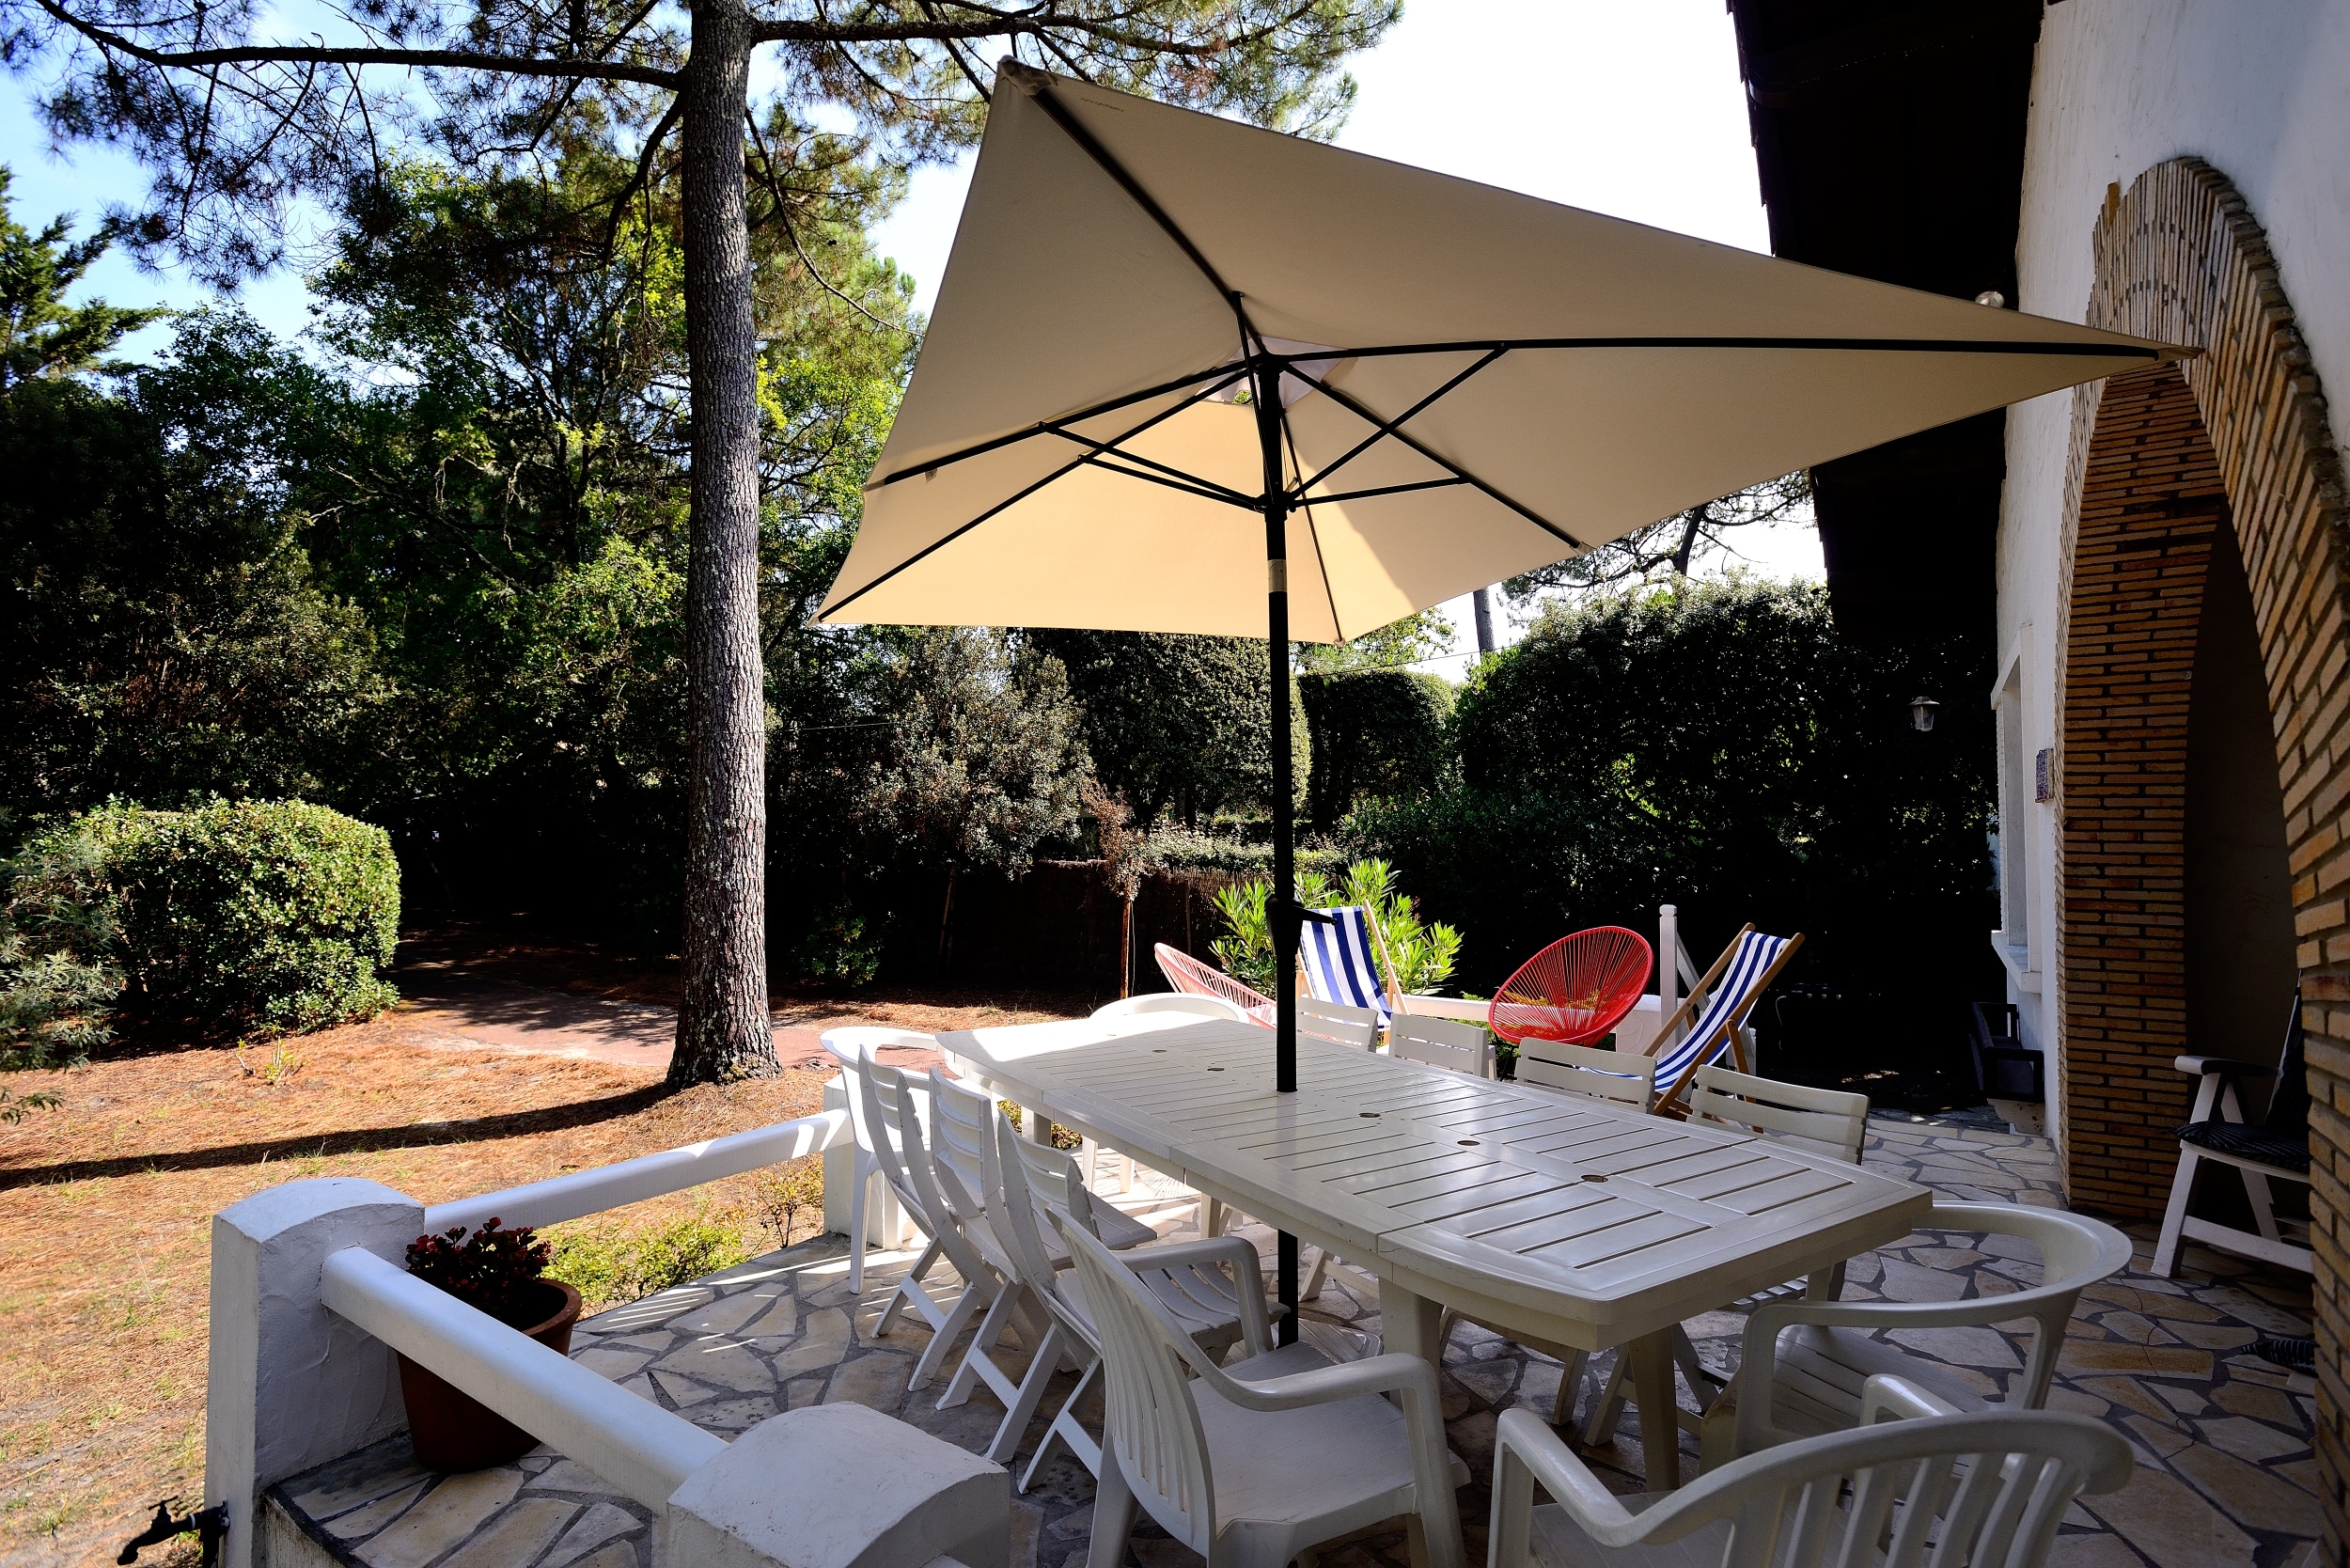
(1186,973)
(1575,990)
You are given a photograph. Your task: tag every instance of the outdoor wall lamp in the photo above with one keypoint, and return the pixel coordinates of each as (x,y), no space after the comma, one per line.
(1921,712)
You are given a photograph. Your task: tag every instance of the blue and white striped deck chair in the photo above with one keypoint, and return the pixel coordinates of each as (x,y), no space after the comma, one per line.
(1341,961)
(1728,992)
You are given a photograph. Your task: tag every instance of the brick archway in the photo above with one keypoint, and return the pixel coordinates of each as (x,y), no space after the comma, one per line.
(2162,463)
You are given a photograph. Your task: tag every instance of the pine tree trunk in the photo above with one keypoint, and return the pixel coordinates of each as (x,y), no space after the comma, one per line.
(723,1030)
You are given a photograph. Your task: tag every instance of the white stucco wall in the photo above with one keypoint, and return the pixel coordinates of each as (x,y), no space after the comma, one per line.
(2260,89)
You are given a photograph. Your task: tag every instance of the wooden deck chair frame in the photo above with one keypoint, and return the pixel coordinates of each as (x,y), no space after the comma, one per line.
(1732,1024)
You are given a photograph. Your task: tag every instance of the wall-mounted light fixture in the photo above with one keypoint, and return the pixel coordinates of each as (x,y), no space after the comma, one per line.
(1993,298)
(1921,710)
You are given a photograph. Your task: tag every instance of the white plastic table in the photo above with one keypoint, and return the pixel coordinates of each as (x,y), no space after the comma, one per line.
(1570,1220)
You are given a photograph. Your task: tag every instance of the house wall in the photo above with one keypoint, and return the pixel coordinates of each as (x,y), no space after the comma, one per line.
(2122,86)
(2182,181)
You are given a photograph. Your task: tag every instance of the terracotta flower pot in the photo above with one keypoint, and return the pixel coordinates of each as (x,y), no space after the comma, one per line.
(453,1431)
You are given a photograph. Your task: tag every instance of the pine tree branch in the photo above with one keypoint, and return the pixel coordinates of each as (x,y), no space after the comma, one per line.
(448,59)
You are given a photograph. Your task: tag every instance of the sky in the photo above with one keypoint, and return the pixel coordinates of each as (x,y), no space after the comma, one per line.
(1634,110)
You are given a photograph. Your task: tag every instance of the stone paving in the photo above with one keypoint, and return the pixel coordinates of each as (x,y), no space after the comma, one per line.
(2225,1475)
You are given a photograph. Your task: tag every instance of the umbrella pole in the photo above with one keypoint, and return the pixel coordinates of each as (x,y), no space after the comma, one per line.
(1281,907)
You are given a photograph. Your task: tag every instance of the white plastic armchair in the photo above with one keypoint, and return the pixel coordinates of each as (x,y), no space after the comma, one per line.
(1986,1490)
(1804,1363)
(1251,1465)
(876,1155)
(1189,1279)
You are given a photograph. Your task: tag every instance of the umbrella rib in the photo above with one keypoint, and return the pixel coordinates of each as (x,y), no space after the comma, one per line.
(1388,428)
(1013,499)
(1097,459)
(1058,114)
(1864,345)
(1313,528)
(1390,490)
(1437,458)
(1047,427)
(937,545)
(1209,487)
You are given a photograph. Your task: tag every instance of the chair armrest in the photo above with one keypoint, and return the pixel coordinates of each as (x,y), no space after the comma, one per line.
(1887,1398)
(1394,1372)
(1523,1439)
(2196,1067)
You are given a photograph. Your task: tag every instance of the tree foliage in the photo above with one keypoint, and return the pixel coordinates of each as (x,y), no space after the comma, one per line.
(39,334)
(1675,546)
(1719,747)
(1377,733)
(1175,724)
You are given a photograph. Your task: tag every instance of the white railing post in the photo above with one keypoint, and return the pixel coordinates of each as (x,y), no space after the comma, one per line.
(288,1384)
(837,1486)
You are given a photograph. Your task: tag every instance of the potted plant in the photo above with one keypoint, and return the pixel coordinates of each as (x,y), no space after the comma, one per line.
(501,1272)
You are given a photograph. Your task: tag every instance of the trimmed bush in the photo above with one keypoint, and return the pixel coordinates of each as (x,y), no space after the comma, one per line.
(248,915)
(1378,734)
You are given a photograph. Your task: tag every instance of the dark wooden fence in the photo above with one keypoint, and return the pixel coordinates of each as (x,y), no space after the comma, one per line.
(1057,926)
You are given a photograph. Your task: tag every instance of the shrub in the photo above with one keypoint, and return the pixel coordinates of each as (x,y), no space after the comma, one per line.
(1377,733)
(614,1263)
(56,978)
(1422,955)
(270,916)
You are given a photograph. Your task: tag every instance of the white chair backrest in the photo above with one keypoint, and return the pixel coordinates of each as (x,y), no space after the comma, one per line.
(1619,1077)
(1149,1422)
(1442,1042)
(1173,1001)
(1341,964)
(1337,1022)
(1017,1203)
(881,1101)
(1983,1490)
(894,1096)
(848,1046)
(1826,1120)
(1727,1004)
(962,1143)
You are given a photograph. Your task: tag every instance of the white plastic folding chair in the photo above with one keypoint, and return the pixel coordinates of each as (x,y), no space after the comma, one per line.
(1619,1077)
(1986,1491)
(1724,997)
(890,1101)
(1822,1121)
(1804,1363)
(1253,1463)
(874,1211)
(1187,1278)
(1445,1042)
(1344,962)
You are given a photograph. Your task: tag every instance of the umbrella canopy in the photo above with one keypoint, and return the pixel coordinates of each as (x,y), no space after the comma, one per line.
(1473,383)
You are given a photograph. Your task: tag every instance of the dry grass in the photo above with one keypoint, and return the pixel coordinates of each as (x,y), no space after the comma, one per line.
(105,1208)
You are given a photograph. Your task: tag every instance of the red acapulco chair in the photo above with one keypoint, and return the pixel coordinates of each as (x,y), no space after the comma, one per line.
(1186,973)
(1575,990)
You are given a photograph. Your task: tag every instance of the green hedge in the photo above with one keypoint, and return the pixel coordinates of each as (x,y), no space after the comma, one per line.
(1378,734)
(244,915)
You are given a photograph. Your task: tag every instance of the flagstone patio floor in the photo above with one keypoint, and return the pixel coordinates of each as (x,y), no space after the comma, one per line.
(2225,1473)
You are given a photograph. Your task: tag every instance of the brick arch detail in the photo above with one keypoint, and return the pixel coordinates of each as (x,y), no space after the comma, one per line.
(2180,256)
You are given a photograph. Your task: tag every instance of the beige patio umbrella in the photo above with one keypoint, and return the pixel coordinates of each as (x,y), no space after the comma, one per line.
(1470,383)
